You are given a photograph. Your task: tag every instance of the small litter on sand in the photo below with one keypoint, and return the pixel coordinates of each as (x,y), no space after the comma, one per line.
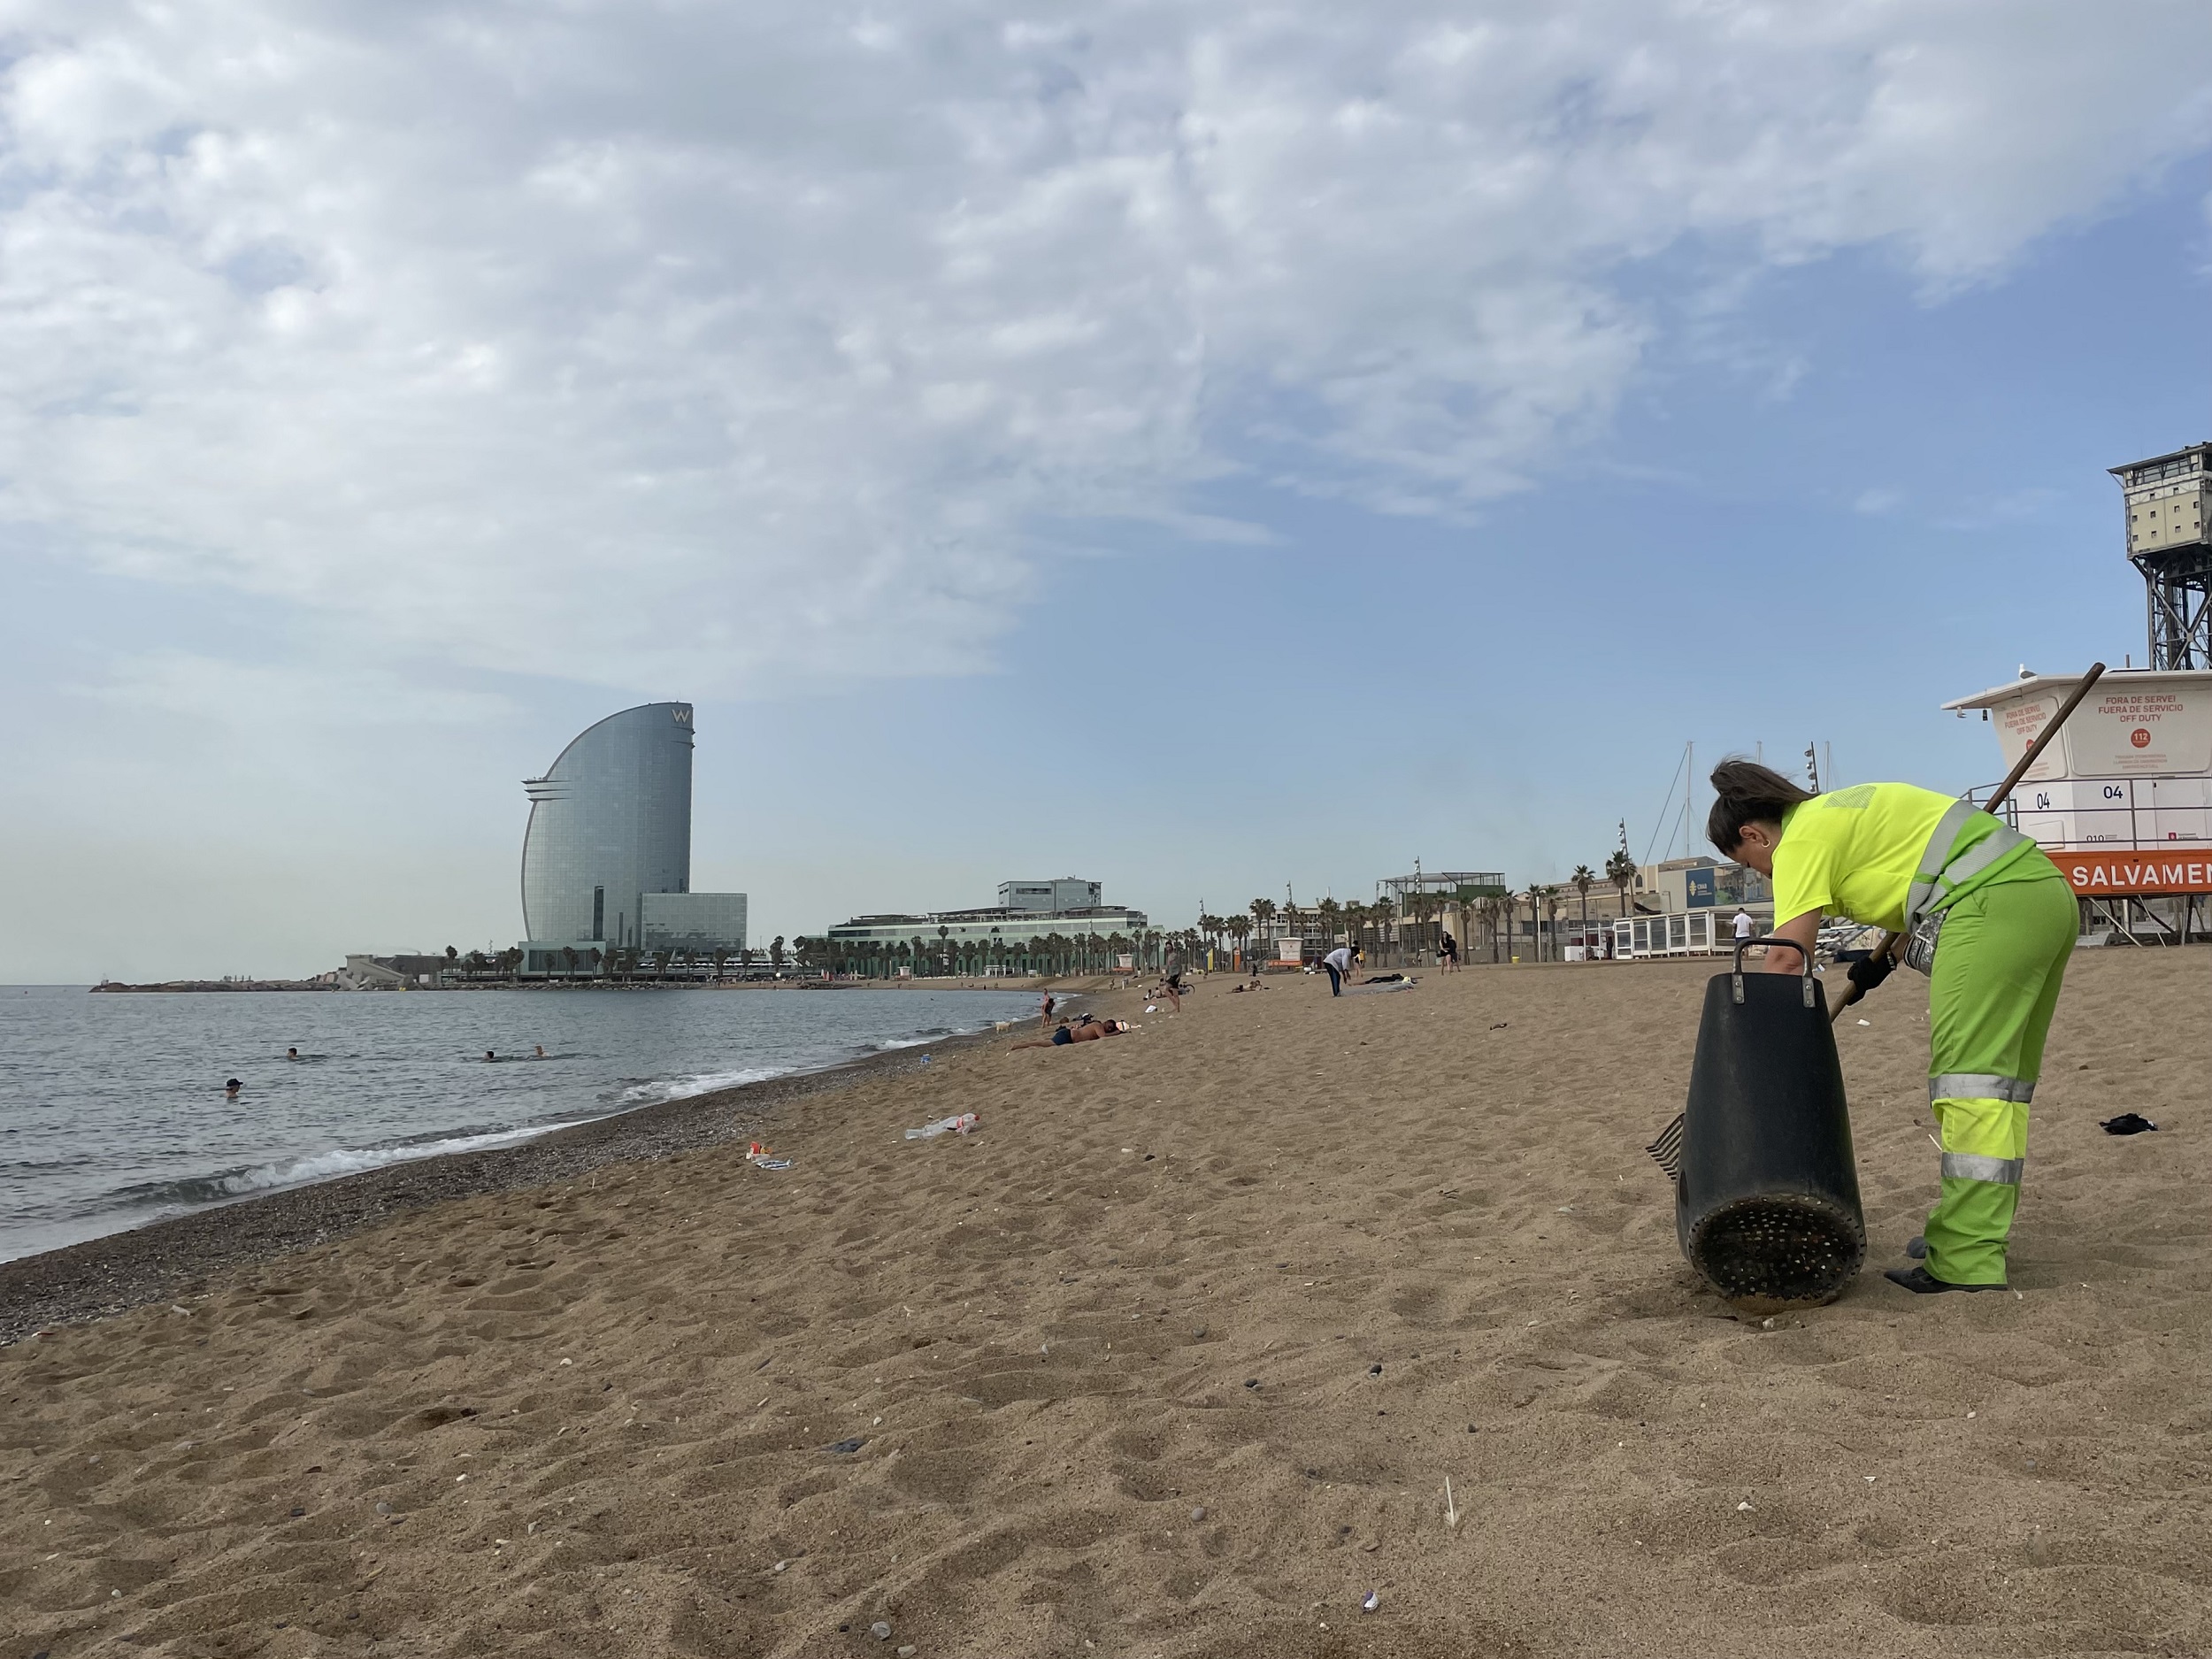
(2127,1124)
(771,1163)
(956,1126)
(1373,1601)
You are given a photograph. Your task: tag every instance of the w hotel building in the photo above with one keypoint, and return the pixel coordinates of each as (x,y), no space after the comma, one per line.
(606,860)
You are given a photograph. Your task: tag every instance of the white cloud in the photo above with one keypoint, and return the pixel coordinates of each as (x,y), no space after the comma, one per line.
(686,343)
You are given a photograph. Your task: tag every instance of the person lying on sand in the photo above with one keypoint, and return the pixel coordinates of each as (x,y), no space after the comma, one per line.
(1090,1030)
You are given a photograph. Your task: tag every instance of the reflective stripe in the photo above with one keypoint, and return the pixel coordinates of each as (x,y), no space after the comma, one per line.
(1939,875)
(1972,1166)
(1933,858)
(1980,1085)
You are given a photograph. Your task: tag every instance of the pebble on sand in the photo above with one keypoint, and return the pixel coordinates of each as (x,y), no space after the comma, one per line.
(880,1631)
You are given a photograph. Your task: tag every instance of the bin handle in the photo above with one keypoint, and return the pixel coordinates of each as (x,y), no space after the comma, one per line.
(1805,957)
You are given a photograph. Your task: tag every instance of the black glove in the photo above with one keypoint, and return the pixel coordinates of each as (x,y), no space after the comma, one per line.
(1869,972)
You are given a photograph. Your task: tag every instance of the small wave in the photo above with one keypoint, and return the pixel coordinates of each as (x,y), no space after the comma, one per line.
(885,1045)
(193,1190)
(700,1083)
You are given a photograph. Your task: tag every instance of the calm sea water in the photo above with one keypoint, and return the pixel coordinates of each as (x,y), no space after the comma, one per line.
(112,1112)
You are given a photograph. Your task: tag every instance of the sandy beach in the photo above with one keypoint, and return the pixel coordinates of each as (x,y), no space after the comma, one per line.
(1174,1357)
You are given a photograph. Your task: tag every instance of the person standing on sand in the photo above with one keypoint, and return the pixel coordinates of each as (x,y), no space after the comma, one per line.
(1339,963)
(1172,984)
(1045,1006)
(1745,926)
(1911,861)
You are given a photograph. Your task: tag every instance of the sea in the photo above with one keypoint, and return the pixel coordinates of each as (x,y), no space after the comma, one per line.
(113,1112)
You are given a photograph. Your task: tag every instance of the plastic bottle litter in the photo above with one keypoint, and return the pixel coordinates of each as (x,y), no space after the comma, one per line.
(959,1126)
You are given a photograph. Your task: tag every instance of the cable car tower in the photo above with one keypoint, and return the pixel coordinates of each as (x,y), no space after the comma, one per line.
(2170,511)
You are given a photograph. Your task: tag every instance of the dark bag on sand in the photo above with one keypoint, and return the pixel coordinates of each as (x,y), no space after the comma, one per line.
(1767,1196)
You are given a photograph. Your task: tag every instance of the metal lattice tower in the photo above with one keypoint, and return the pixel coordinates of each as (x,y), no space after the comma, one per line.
(2169,512)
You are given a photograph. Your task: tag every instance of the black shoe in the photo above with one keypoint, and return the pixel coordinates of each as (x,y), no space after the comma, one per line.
(1921,1282)
(1916,1248)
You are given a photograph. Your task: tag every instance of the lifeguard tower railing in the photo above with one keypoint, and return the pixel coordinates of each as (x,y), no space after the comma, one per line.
(2123,828)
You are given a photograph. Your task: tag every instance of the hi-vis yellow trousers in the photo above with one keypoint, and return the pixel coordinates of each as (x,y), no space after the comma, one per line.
(1997,970)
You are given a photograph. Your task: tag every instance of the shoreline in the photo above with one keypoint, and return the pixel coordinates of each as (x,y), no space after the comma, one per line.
(75,1284)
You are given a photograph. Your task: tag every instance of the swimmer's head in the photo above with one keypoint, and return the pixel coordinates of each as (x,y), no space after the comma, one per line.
(231,1086)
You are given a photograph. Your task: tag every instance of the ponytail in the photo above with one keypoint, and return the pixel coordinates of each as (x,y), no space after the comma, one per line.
(1745,792)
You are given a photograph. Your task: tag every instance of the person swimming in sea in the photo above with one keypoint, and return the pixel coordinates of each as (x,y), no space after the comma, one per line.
(231,1088)
(541,1054)
(291,1054)
(489,1057)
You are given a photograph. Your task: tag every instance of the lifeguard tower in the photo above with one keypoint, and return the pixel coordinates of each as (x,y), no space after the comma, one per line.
(2169,513)
(2122,799)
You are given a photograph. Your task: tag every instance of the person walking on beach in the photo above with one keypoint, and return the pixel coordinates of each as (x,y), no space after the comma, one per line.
(1339,963)
(1911,861)
(1173,983)
(1046,1004)
(1745,926)
(1447,954)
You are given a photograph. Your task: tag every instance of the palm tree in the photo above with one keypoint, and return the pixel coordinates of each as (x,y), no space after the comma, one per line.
(1620,870)
(1585,879)
(1240,933)
(1329,909)
(775,952)
(1496,909)
(568,955)
(1263,914)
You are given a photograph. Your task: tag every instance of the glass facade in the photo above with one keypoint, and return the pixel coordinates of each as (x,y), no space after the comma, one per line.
(609,822)
(694,921)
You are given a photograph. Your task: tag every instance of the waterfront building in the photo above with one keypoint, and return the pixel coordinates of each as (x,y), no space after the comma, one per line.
(1011,936)
(610,830)
(998,923)
(1060,895)
(695,922)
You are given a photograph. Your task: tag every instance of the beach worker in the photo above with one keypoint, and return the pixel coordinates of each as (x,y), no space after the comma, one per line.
(1911,861)
(231,1088)
(1745,926)
(1339,963)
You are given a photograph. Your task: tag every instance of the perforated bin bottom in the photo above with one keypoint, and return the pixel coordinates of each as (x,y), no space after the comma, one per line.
(1778,1251)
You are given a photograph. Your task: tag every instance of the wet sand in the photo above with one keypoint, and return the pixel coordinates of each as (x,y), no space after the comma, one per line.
(1174,1357)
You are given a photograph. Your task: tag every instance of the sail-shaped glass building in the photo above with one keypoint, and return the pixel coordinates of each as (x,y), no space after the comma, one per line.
(610,823)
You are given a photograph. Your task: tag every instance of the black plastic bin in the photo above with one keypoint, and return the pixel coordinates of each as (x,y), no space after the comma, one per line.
(1767,1196)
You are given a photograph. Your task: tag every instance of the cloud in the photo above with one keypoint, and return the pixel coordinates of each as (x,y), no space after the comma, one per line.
(690,344)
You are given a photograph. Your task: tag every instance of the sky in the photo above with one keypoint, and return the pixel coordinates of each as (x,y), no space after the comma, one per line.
(1216,449)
